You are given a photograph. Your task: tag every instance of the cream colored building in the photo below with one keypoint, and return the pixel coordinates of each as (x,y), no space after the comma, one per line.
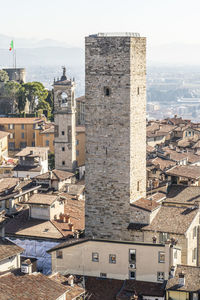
(9,255)
(45,207)
(115,259)
(3,145)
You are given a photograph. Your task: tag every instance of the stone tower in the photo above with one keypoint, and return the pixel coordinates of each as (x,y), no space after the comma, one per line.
(65,123)
(115,131)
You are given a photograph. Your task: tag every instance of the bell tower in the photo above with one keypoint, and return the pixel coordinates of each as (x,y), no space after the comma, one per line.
(65,124)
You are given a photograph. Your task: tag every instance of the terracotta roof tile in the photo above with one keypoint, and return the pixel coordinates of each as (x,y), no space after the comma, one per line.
(8,249)
(56,174)
(183,194)
(150,203)
(173,219)
(20,120)
(35,286)
(192,279)
(188,171)
(43,199)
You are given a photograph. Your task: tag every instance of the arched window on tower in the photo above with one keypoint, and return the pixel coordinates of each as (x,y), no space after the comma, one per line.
(64,100)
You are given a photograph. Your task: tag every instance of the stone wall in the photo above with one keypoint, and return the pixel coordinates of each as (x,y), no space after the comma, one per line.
(65,122)
(115,133)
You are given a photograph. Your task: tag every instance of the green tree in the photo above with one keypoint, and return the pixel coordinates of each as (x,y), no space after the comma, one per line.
(11,90)
(51,161)
(3,76)
(45,107)
(35,92)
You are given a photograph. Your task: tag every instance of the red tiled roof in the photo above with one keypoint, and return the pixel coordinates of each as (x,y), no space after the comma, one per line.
(20,120)
(34,286)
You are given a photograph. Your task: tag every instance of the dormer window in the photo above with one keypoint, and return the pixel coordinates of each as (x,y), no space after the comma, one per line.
(107,91)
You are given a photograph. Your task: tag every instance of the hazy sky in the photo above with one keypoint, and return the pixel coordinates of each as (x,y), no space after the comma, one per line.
(161,21)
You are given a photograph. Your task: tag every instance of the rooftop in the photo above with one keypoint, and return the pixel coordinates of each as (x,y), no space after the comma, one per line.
(8,249)
(188,171)
(192,282)
(8,183)
(143,288)
(35,286)
(115,34)
(55,175)
(32,151)
(150,203)
(20,120)
(183,194)
(42,199)
(173,219)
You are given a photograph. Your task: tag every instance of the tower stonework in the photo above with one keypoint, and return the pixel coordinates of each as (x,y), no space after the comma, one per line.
(115,131)
(65,124)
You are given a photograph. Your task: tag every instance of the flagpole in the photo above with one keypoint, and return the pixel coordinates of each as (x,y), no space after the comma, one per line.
(13,55)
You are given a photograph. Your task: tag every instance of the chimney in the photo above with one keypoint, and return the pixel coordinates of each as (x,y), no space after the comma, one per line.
(181,279)
(76,235)
(26,266)
(68,220)
(71,280)
(71,227)
(50,174)
(31,152)
(154,238)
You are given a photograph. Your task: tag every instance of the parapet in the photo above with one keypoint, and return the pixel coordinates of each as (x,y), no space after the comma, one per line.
(115,34)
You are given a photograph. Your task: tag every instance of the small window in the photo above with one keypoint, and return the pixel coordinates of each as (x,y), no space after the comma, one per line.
(77,152)
(132,275)
(22,126)
(34,126)
(33,144)
(160,276)
(63,149)
(189,133)
(63,162)
(103,275)
(161,257)
(112,259)
(33,134)
(59,254)
(63,133)
(194,232)
(22,135)
(95,256)
(11,126)
(11,136)
(138,90)
(47,143)
(77,142)
(107,91)
(47,134)
(186,133)
(195,296)
(194,254)
(132,256)
(138,186)
(163,237)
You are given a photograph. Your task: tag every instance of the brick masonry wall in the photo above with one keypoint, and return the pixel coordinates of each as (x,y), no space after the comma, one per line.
(115,133)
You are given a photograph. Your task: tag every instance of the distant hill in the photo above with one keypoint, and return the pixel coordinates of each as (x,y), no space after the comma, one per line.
(43,56)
